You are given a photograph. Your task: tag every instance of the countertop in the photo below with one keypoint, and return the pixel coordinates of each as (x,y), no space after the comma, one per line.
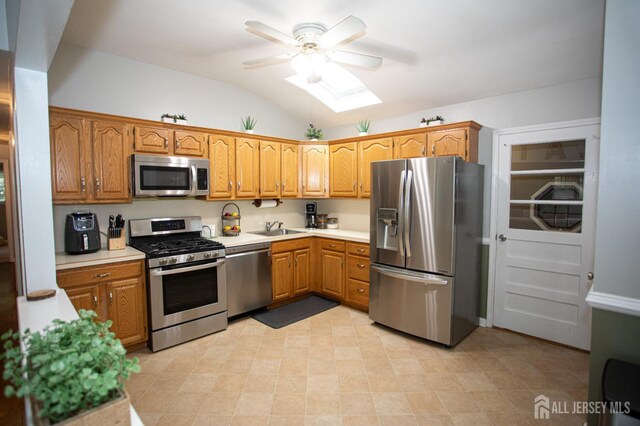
(102,256)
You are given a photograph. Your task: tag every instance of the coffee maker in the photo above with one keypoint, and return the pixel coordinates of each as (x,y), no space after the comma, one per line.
(311,210)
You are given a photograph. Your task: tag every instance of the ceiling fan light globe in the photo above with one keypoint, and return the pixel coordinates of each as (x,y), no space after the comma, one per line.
(301,64)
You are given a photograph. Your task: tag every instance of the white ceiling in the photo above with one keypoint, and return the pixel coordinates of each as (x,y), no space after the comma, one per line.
(436,52)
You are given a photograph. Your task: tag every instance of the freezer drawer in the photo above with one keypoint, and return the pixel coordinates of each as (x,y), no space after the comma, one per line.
(413,302)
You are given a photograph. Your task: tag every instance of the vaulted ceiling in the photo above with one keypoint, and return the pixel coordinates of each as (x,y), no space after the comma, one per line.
(435,52)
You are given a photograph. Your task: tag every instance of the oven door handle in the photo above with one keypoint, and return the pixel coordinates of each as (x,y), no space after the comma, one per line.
(159,272)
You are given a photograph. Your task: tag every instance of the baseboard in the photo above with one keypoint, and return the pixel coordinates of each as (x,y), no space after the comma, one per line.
(482,322)
(612,302)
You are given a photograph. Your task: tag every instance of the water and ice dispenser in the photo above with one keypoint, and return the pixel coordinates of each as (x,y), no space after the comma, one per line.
(387,232)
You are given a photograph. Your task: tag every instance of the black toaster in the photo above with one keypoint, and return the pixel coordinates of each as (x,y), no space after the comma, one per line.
(81,233)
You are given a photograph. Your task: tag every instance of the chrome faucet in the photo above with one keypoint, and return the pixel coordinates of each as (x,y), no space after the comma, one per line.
(270,225)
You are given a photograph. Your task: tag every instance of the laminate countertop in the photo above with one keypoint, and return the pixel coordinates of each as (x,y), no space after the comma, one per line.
(101,257)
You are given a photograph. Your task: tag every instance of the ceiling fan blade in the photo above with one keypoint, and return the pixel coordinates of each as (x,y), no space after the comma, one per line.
(270,33)
(343,30)
(269,59)
(352,58)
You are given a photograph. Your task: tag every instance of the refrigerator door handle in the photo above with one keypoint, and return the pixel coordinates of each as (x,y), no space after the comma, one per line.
(406,210)
(409,276)
(401,213)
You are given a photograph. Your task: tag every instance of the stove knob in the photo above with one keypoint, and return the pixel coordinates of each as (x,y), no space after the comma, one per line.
(214,253)
(162,262)
(173,260)
(207,255)
(190,257)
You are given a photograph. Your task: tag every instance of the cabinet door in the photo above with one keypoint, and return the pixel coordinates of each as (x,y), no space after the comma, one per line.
(314,166)
(448,142)
(269,169)
(190,143)
(247,168)
(151,140)
(289,170)
(86,297)
(125,307)
(68,159)
(282,275)
(370,151)
(410,146)
(222,166)
(343,169)
(110,143)
(332,269)
(302,268)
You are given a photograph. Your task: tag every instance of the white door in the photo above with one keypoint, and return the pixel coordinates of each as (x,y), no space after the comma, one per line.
(546,204)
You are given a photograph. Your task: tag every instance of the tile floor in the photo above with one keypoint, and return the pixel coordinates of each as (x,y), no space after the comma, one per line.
(340,368)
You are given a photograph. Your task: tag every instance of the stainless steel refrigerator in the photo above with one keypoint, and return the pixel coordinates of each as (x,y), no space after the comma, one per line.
(426,236)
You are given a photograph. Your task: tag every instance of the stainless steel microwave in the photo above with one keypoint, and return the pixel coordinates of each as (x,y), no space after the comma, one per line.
(166,176)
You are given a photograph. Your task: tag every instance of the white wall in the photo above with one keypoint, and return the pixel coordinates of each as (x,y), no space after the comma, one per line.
(291,212)
(91,80)
(617,233)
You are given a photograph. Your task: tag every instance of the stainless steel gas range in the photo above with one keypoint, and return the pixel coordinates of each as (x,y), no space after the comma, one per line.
(186,279)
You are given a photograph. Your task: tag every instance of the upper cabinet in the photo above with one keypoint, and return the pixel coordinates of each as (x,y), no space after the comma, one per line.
(409,146)
(152,140)
(289,171)
(247,168)
(222,167)
(460,142)
(193,144)
(270,169)
(89,160)
(315,165)
(343,168)
(368,152)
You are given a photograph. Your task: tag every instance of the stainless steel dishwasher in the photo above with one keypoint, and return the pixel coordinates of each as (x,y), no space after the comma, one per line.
(248,278)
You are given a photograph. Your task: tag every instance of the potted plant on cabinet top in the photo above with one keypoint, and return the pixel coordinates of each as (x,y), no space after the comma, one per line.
(363,127)
(72,371)
(313,133)
(248,123)
(175,118)
(432,121)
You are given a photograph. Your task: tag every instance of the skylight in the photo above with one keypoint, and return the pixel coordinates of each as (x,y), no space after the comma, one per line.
(339,89)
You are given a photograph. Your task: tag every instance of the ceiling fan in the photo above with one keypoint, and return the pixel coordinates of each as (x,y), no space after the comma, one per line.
(313,45)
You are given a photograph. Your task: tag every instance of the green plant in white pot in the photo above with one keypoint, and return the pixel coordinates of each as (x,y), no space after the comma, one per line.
(313,133)
(363,127)
(69,369)
(248,123)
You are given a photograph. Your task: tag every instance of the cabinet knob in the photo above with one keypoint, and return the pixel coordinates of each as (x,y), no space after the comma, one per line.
(360,290)
(106,274)
(95,301)
(332,245)
(178,145)
(360,265)
(360,250)
(166,144)
(230,185)
(110,298)
(282,185)
(433,149)
(361,186)
(423,150)
(354,186)
(238,185)
(277,185)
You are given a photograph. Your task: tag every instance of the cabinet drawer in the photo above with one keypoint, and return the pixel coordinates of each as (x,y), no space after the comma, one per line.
(358,268)
(98,274)
(290,245)
(358,249)
(332,245)
(358,292)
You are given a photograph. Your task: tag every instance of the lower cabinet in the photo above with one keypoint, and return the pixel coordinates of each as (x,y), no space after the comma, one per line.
(290,268)
(358,274)
(115,292)
(332,281)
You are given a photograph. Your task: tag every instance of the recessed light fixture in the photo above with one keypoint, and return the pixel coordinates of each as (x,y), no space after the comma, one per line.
(336,87)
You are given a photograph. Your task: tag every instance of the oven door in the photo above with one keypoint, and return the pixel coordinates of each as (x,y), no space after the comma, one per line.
(184,293)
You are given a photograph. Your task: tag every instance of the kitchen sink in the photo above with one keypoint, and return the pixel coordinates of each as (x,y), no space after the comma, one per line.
(277,232)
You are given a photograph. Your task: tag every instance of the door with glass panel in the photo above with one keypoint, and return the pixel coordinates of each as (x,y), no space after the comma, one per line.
(545,232)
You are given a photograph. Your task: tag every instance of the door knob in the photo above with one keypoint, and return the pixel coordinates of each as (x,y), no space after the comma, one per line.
(502,237)
(590,276)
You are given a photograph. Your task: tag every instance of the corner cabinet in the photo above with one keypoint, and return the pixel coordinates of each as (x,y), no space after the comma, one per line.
(332,268)
(115,291)
(315,165)
(290,268)
(343,169)
(89,160)
(368,152)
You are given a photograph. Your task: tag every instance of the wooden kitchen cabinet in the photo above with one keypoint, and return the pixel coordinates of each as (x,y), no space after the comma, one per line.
(343,170)
(114,291)
(290,268)
(332,268)
(368,152)
(89,160)
(358,275)
(247,168)
(192,144)
(289,170)
(270,155)
(282,276)
(302,271)
(460,142)
(410,146)
(222,159)
(315,165)
(152,140)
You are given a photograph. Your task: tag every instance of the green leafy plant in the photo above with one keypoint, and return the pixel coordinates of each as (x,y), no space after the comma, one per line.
(429,120)
(248,122)
(68,368)
(363,126)
(181,117)
(313,132)
(174,117)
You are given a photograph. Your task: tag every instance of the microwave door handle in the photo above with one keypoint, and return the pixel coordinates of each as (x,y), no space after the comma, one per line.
(194,179)
(159,273)
(406,227)
(401,213)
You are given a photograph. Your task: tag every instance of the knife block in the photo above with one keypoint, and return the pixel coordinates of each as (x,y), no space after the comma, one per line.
(116,243)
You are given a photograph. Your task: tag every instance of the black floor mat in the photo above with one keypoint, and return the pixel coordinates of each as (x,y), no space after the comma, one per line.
(294,312)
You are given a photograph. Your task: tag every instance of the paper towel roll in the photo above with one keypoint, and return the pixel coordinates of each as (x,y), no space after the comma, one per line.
(263,204)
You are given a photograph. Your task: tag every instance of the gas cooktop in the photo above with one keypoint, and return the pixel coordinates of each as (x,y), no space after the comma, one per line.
(155,248)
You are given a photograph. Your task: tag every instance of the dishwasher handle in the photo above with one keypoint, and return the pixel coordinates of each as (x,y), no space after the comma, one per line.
(247,253)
